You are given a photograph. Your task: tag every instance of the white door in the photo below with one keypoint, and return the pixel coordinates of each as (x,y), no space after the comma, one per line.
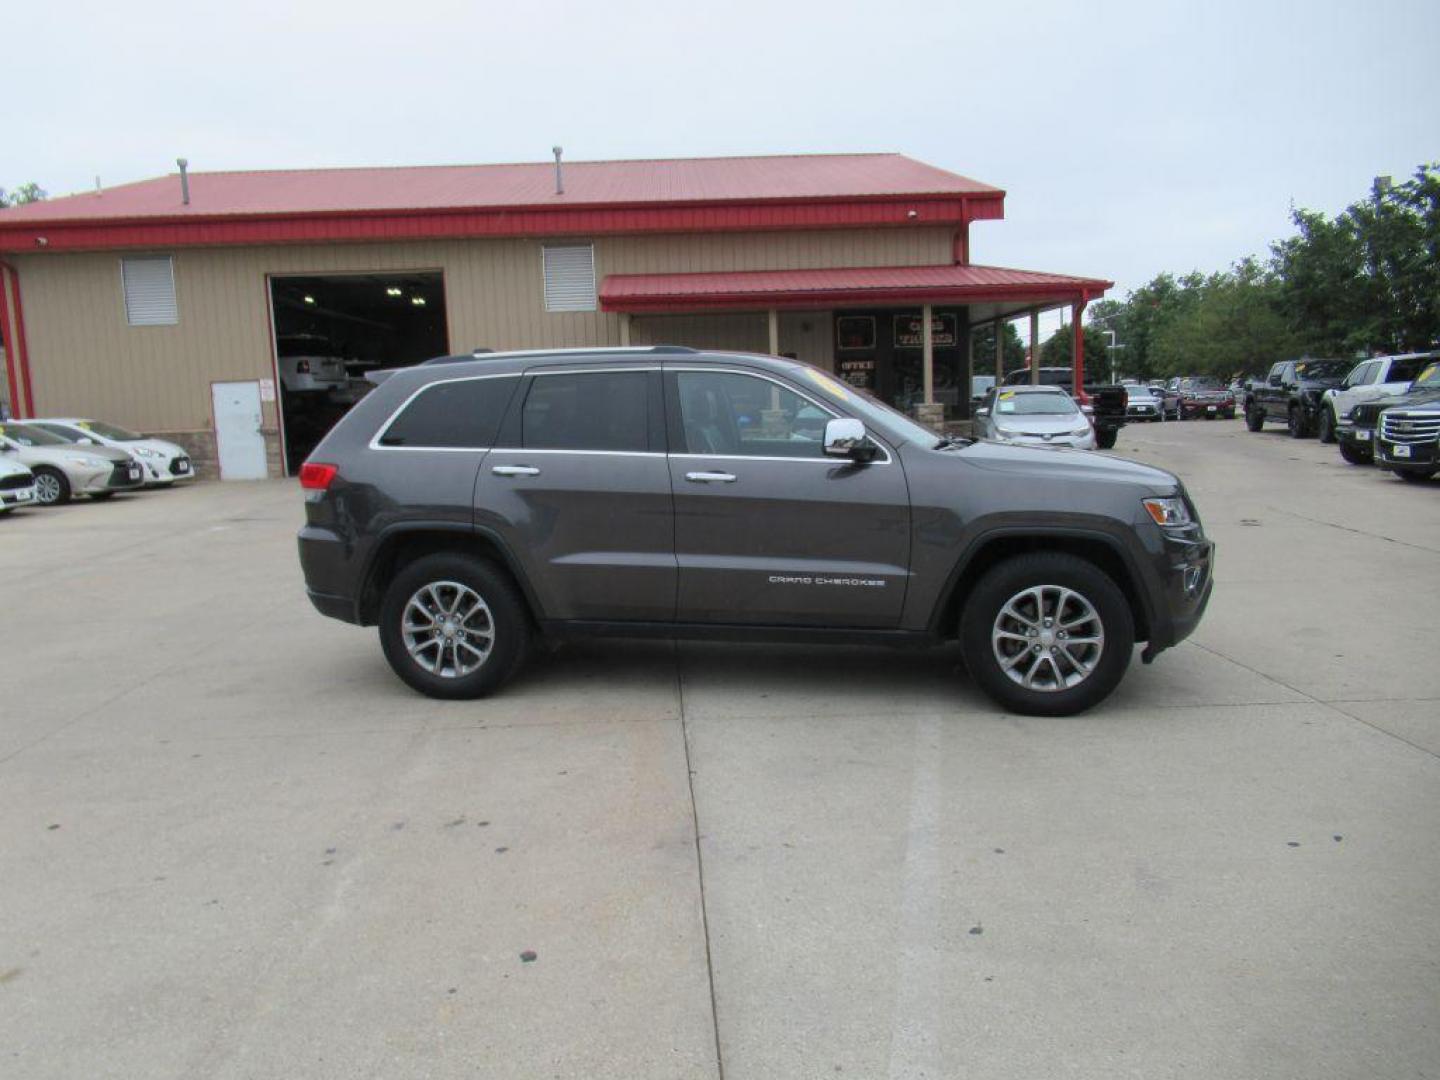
(237,430)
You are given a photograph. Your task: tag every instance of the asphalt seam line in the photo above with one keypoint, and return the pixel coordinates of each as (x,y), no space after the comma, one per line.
(699,859)
(1318,701)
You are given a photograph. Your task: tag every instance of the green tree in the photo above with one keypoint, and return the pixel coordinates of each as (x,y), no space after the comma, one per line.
(25,193)
(1058,350)
(1012,349)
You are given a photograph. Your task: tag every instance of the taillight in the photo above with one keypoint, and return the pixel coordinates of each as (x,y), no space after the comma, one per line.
(315,476)
(302,367)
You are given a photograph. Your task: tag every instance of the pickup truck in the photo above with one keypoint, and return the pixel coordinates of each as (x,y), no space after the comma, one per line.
(1379,377)
(1106,405)
(1292,392)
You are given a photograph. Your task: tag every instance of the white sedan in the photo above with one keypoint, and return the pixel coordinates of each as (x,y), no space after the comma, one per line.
(17,485)
(1033,416)
(163,462)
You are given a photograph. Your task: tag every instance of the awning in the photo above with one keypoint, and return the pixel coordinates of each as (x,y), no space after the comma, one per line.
(1003,289)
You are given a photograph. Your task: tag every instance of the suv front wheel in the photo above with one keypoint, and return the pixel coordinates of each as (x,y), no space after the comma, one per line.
(453,626)
(1047,634)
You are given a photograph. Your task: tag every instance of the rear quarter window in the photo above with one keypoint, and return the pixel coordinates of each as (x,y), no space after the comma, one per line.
(462,414)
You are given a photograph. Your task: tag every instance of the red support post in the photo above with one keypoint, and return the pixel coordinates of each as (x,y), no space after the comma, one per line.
(1078,348)
(12,351)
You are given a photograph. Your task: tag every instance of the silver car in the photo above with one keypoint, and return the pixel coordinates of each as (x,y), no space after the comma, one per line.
(17,485)
(1033,416)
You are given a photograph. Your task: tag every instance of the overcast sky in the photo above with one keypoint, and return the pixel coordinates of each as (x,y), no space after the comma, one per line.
(1131,137)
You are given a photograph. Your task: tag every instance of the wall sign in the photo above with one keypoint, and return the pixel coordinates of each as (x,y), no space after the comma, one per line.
(855,331)
(267,389)
(859,373)
(909,331)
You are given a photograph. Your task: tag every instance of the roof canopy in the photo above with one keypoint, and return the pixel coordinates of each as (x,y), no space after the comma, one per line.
(682,195)
(1008,290)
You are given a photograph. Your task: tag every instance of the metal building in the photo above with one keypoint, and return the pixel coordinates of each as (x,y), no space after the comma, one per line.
(235,312)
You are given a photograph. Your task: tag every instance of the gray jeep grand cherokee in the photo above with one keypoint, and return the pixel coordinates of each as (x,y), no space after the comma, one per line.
(465,507)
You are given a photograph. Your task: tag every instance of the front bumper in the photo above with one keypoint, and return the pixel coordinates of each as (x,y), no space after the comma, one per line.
(13,497)
(1421,457)
(1186,568)
(1063,442)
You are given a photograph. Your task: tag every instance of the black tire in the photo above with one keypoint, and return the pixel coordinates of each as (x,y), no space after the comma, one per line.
(508,622)
(1326,430)
(1003,582)
(51,486)
(1295,424)
(1105,438)
(1415,476)
(1254,418)
(1355,455)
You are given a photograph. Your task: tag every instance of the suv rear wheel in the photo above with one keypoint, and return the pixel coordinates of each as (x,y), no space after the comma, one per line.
(1047,634)
(1327,425)
(453,626)
(1254,418)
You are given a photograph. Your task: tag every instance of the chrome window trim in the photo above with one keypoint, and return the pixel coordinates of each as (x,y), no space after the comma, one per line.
(826,408)
(559,450)
(375,444)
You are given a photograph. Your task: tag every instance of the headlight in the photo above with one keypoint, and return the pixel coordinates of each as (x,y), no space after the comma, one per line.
(1081,430)
(143,451)
(1169,513)
(92,463)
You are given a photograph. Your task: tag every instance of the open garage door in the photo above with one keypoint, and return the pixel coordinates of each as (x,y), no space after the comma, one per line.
(330,329)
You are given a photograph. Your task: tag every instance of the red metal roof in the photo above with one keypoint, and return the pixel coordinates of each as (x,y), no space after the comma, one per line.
(460,187)
(832,287)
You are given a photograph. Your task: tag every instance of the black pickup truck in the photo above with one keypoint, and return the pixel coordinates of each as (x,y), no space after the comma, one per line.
(1106,404)
(1293,392)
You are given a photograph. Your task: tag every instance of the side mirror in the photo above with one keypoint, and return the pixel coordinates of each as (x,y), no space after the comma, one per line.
(845,438)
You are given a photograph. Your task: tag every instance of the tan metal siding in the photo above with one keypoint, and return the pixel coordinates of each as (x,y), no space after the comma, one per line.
(86,359)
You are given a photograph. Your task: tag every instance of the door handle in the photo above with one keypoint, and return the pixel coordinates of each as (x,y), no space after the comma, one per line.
(515,470)
(710,477)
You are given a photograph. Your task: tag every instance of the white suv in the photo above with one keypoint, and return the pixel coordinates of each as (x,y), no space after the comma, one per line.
(1369,379)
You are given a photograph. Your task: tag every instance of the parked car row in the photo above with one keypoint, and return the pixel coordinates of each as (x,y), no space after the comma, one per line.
(1384,410)
(1183,398)
(53,460)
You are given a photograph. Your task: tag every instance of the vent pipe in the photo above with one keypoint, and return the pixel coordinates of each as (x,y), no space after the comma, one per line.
(559,174)
(184,180)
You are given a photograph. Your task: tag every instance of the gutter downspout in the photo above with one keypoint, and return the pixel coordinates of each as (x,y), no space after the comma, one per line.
(17,355)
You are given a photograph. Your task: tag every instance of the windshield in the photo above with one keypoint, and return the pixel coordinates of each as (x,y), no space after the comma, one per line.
(894,424)
(1200,384)
(1011,403)
(1323,369)
(108,431)
(26,435)
(1428,378)
(1144,393)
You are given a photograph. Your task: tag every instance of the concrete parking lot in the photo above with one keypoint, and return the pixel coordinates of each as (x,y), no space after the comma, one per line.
(234,845)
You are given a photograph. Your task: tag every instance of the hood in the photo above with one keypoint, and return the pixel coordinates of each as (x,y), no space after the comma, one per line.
(1415,397)
(1319,382)
(65,455)
(169,449)
(1080,464)
(1039,424)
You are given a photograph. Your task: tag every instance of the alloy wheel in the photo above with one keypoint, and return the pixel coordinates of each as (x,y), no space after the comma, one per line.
(447,629)
(47,488)
(1048,638)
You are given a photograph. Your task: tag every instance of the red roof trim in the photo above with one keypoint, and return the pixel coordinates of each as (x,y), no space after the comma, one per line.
(353,226)
(791,289)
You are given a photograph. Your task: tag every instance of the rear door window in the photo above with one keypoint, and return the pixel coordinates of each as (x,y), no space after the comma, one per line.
(588,410)
(458,414)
